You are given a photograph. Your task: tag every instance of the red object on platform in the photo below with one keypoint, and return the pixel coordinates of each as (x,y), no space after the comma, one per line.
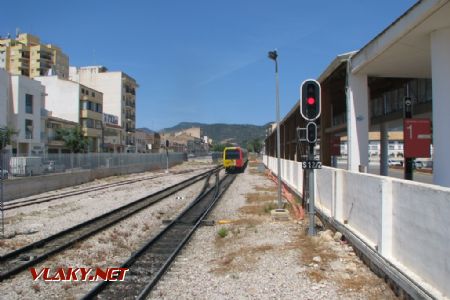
(416,137)
(335,146)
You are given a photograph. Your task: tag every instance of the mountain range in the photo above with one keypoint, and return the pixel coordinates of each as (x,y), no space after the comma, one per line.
(222,133)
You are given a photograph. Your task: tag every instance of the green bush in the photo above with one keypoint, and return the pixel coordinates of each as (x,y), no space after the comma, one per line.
(222,232)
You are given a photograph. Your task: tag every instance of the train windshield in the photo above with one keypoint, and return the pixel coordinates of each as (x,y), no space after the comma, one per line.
(232,154)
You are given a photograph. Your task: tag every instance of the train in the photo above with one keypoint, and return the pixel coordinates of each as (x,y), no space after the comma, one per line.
(235,159)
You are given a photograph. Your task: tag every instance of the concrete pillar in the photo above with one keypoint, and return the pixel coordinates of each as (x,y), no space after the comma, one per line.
(357,121)
(385,232)
(440,65)
(384,150)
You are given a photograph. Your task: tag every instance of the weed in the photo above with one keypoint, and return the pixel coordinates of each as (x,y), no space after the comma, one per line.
(268,207)
(36,288)
(222,232)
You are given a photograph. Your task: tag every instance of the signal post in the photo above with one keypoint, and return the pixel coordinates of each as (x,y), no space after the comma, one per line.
(310,109)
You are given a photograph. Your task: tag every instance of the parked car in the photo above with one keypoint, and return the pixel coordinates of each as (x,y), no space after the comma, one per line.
(418,164)
(392,163)
(49,166)
(4,173)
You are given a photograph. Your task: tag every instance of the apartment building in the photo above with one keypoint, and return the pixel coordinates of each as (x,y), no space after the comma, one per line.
(147,142)
(53,141)
(22,102)
(26,55)
(77,103)
(119,94)
(112,134)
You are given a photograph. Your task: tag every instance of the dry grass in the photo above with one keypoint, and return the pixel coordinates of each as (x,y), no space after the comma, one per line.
(258,197)
(254,171)
(253,163)
(252,210)
(248,221)
(263,188)
(239,260)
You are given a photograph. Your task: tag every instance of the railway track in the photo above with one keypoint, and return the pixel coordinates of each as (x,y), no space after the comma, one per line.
(23,258)
(149,263)
(37,200)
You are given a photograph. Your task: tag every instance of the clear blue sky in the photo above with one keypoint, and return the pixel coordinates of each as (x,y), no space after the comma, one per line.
(205,60)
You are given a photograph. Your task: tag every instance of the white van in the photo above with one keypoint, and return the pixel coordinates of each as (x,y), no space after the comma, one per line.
(26,166)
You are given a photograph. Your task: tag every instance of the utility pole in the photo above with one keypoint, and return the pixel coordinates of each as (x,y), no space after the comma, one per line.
(408,168)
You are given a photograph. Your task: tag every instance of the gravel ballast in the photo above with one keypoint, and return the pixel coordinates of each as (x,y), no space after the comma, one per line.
(263,259)
(109,248)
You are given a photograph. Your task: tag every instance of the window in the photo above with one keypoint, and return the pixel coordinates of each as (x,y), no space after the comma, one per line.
(98,124)
(88,123)
(82,91)
(28,104)
(28,129)
(98,108)
(93,94)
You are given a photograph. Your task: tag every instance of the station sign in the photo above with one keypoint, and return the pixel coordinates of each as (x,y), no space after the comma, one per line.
(416,137)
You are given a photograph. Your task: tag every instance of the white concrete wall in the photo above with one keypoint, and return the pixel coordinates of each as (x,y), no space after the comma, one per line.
(4,99)
(421,231)
(20,86)
(407,223)
(63,97)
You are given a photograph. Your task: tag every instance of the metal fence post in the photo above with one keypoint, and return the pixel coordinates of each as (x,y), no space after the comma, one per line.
(2,168)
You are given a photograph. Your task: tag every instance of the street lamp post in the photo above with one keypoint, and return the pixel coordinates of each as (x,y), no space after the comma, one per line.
(273,55)
(2,174)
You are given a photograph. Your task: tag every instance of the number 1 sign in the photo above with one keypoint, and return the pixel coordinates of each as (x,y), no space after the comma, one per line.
(417,137)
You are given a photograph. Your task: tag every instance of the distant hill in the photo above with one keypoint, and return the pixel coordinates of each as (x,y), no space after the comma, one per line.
(145,129)
(222,133)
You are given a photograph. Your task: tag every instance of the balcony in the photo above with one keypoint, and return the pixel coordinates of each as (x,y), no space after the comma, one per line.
(130,116)
(46,56)
(130,103)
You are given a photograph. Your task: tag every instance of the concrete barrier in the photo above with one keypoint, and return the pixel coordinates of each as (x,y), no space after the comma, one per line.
(28,186)
(406,223)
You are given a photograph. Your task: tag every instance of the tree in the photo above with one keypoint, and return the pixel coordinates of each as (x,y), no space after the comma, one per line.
(221,147)
(73,139)
(6,134)
(254,145)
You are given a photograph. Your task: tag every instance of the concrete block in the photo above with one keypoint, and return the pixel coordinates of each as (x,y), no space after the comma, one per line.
(280,214)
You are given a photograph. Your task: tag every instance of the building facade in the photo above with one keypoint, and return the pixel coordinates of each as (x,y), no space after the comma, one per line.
(22,105)
(119,92)
(77,103)
(113,135)
(25,55)
(54,142)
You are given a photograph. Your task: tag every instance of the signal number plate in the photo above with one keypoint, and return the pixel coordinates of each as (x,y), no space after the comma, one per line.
(312,164)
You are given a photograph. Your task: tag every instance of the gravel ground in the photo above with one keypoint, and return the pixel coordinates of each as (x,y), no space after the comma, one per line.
(31,223)
(263,259)
(109,248)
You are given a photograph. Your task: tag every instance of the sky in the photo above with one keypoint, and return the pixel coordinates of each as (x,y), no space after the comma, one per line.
(205,60)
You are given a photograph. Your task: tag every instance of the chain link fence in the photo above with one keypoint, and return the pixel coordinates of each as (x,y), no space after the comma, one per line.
(19,166)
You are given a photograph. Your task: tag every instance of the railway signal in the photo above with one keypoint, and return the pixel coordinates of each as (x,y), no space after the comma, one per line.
(310,109)
(311,132)
(310,100)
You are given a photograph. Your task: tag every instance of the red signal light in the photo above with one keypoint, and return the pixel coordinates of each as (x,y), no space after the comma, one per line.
(311,101)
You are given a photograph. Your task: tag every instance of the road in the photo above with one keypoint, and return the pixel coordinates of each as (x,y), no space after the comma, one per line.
(396,173)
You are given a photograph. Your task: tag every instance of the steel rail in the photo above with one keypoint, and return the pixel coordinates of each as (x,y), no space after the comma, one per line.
(9,205)
(149,263)
(20,259)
